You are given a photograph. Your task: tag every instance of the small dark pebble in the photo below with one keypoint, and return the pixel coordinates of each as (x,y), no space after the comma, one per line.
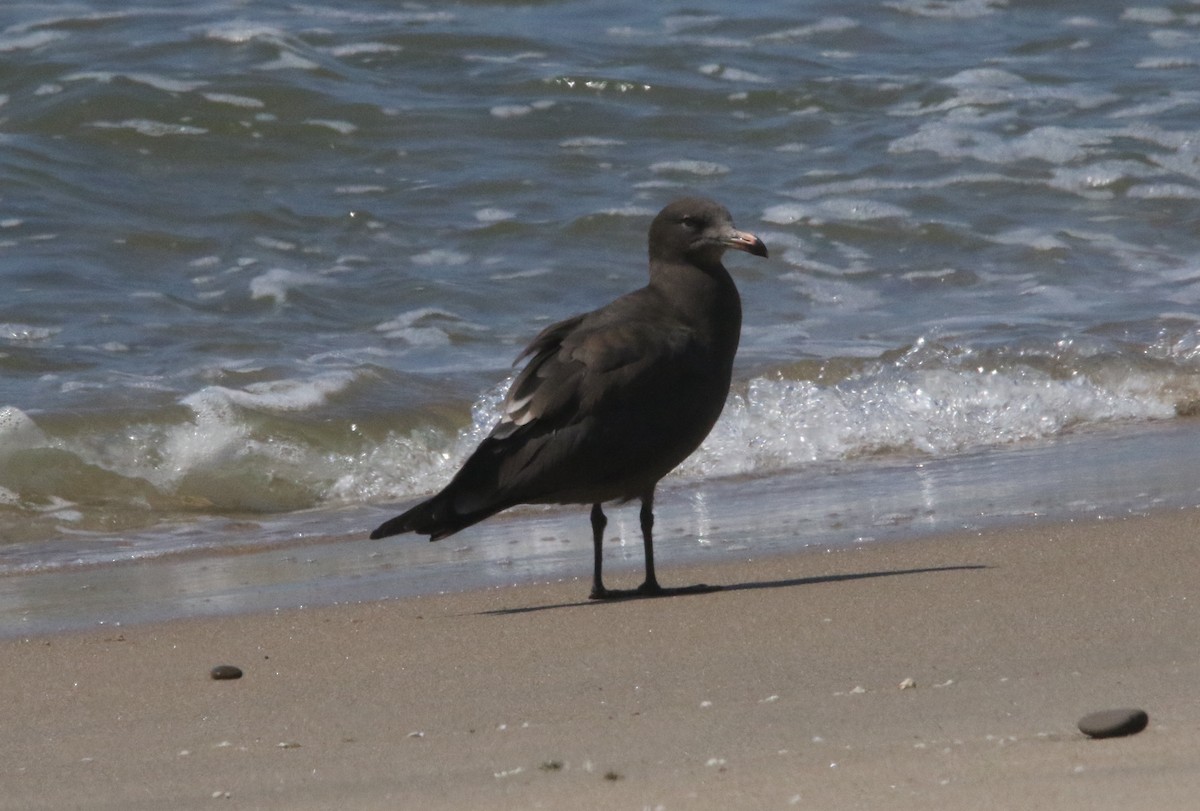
(221,672)
(1113,723)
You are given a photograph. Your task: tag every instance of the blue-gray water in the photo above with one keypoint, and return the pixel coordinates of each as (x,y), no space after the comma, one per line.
(265,265)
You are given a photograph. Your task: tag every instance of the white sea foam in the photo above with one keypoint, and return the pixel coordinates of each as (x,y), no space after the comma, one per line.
(234,100)
(994,88)
(629,211)
(571,82)
(275,395)
(518,110)
(689,167)
(211,455)
(520,274)
(510,110)
(277,283)
(1100,176)
(1164,191)
(290,60)
(1149,15)
(1150,109)
(932,401)
(214,436)
(164,83)
(425,326)
(26,333)
(930,275)
(1166,63)
(504,59)
(732,74)
(857,187)
(948,9)
(1175,37)
(828,25)
(360,48)
(492,215)
(274,243)
(839,209)
(29,41)
(780,424)
(404,16)
(589,142)
(340,127)
(18,431)
(415,462)
(153,129)
(239,32)
(440,257)
(1030,237)
(677,23)
(1052,144)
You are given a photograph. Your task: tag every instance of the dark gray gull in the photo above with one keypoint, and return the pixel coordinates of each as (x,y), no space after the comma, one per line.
(612,400)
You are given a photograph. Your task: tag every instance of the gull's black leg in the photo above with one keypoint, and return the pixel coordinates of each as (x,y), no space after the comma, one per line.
(650,584)
(599,521)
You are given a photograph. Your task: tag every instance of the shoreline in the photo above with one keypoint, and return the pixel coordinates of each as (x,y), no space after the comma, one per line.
(854,503)
(782,690)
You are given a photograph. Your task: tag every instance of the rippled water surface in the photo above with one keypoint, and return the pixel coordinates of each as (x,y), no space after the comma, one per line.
(265,265)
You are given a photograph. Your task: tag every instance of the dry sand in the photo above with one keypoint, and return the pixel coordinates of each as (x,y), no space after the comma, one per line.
(781,691)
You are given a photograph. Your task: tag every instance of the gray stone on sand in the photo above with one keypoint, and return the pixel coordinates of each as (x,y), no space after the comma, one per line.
(224,672)
(1113,723)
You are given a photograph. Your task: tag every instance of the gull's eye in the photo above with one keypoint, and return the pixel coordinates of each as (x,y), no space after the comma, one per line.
(692,223)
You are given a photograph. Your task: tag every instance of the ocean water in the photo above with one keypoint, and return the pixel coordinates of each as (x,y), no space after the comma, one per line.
(265,266)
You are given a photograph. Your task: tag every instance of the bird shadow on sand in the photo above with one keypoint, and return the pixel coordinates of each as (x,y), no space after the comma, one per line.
(752,585)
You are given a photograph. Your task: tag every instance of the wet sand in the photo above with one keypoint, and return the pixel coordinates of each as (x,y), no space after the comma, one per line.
(314,559)
(781,691)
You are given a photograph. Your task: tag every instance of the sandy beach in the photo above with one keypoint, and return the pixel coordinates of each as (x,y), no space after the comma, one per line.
(783,690)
